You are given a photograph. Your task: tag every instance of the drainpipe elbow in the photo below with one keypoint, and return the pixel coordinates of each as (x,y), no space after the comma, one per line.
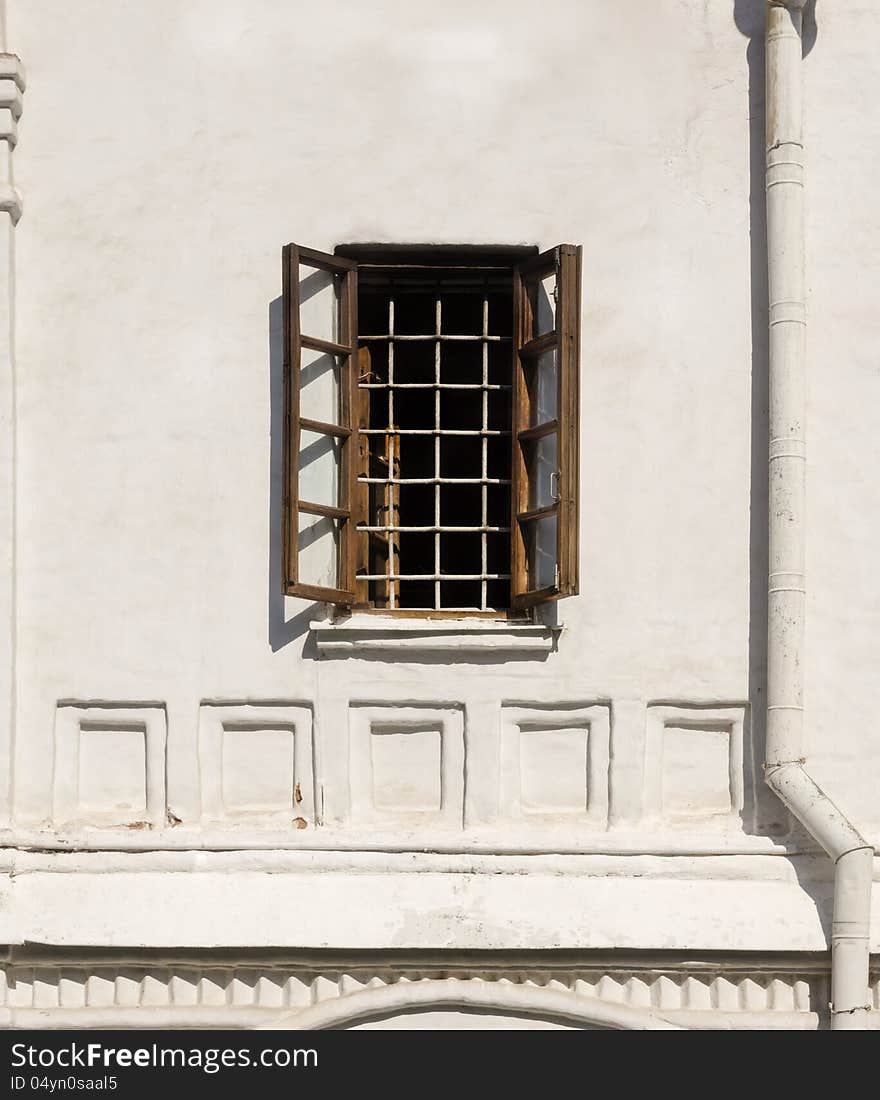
(814,809)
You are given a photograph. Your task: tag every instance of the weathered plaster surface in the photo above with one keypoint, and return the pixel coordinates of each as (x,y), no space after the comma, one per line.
(260,783)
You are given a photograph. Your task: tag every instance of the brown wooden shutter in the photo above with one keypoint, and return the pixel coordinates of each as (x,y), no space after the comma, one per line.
(544,528)
(320,341)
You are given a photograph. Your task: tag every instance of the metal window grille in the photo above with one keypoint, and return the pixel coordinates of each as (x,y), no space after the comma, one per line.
(481,392)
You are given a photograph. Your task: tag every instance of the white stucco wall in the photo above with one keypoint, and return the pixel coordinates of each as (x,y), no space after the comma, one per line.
(843,242)
(167,152)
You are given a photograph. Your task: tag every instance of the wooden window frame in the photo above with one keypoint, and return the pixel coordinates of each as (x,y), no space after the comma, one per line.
(351,510)
(563,261)
(345,271)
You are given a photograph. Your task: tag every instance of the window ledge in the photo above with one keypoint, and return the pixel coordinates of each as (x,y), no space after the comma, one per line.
(386,634)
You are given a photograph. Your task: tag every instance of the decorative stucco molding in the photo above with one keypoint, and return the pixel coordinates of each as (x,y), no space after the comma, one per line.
(502,996)
(773,992)
(12,86)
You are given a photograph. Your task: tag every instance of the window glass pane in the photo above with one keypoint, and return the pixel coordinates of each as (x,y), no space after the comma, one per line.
(318,303)
(319,386)
(542,299)
(543,387)
(318,548)
(541,552)
(542,464)
(319,456)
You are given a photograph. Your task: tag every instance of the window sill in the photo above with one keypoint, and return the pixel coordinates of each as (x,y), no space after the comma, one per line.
(366,635)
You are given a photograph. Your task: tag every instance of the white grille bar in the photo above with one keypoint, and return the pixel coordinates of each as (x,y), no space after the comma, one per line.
(437,577)
(484,493)
(389,491)
(474,530)
(435,480)
(438,315)
(431,386)
(392,338)
(432,431)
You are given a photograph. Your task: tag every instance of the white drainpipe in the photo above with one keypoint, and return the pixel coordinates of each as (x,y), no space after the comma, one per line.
(785,764)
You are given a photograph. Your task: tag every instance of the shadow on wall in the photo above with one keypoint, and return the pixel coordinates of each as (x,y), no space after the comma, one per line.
(766,812)
(282,630)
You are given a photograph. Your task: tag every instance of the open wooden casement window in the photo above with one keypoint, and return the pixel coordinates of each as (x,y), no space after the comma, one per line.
(544,475)
(446,483)
(320,341)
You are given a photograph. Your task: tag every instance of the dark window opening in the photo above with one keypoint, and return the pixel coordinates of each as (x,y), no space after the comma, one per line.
(431,426)
(434,387)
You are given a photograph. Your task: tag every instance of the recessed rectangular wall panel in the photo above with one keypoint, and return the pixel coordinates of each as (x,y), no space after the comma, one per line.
(554,769)
(109,767)
(255,764)
(694,763)
(112,769)
(406,765)
(407,768)
(554,763)
(696,770)
(258,769)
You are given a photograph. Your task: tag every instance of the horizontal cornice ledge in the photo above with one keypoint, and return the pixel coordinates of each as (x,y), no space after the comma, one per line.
(365,635)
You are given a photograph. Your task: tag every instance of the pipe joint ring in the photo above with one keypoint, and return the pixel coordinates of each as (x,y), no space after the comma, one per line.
(787,447)
(788,310)
(800,761)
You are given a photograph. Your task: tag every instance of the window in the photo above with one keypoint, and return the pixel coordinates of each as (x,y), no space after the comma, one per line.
(431,430)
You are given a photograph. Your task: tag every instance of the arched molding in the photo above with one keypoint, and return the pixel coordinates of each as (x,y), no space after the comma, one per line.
(472,994)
